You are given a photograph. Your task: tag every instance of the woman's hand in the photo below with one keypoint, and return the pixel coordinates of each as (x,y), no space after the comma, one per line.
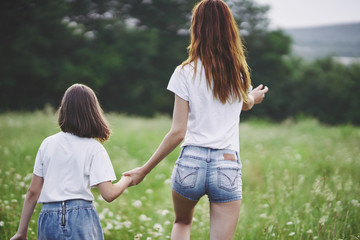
(18,236)
(259,93)
(137,175)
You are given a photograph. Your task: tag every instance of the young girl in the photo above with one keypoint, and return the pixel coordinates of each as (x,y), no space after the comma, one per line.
(67,165)
(211,88)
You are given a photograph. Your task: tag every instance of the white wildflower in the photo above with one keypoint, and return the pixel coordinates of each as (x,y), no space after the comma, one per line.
(137,203)
(164,212)
(160,176)
(338,207)
(143,217)
(355,203)
(149,191)
(322,220)
(330,196)
(156,234)
(28,177)
(308,207)
(158,227)
(289,223)
(309,231)
(138,236)
(127,224)
(2,223)
(109,226)
(291,234)
(317,185)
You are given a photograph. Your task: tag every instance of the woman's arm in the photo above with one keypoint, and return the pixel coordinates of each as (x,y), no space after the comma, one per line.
(172,139)
(111,191)
(30,202)
(256,96)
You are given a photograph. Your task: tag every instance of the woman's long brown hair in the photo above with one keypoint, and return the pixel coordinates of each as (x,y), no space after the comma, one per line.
(215,40)
(80,114)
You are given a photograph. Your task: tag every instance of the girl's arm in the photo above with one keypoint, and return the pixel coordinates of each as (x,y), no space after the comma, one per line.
(30,202)
(111,191)
(172,139)
(255,97)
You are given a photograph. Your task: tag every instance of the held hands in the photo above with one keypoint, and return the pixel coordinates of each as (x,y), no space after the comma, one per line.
(258,93)
(137,175)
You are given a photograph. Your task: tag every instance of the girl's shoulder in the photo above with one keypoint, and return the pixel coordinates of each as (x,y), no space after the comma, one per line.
(72,139)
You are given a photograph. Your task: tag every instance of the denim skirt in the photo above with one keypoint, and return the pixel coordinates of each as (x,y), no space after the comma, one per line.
(214,172)
(71,219)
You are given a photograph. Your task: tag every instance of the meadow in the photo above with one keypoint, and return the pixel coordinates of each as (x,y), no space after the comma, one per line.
(301,179)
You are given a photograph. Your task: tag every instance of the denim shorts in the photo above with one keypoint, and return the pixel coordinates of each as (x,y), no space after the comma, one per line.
(71,219)
(214,172)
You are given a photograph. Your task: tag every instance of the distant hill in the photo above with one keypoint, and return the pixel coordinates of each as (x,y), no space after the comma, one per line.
(341,40)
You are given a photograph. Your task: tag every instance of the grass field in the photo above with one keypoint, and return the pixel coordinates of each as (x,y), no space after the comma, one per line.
(301,179)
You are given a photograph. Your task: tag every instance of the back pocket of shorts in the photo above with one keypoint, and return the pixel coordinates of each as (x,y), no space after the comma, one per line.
(186,176)
(228,178)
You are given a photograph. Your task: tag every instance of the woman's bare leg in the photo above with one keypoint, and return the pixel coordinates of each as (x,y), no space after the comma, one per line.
(223,219)
(184,210)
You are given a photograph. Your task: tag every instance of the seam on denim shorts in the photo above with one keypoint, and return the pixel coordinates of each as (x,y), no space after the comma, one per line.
(231,181)
(194,157)
(180,179)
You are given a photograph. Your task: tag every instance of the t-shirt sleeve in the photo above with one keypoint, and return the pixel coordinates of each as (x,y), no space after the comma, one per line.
(38,166)
(101,169)
(177,84)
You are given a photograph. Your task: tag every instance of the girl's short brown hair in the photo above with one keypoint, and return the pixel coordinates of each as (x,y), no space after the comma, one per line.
(80,114)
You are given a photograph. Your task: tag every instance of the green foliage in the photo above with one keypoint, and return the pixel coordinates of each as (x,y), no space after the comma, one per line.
(126,50)
(300,179)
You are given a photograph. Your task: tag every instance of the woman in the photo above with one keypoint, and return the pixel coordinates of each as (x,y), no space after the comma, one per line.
(211,88)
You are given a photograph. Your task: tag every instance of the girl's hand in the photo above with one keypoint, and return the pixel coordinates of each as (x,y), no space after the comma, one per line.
(137,175)
(259,93)
(18,236)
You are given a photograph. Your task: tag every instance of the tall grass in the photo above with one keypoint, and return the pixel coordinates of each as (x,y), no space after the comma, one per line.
(301,179)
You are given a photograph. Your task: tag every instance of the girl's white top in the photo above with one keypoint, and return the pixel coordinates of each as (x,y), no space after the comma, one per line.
(211,123)
(70,166)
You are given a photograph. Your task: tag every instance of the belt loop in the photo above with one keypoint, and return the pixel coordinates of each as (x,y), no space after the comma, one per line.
(237,156)
(182,151)
(208,155)
(63,206)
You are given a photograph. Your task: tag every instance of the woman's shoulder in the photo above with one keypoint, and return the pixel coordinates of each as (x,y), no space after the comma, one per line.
(185,70)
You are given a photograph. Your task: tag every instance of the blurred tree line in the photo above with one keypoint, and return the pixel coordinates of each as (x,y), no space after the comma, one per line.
(126,50)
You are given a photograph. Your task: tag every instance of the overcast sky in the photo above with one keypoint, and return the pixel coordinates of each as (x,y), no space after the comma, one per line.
(305,13)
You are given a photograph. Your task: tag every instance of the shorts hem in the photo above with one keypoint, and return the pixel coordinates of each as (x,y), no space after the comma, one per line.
(189,198)
(225,200)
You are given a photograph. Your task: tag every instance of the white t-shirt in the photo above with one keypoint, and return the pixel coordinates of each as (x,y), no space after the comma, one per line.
(211,123)
(70,166)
